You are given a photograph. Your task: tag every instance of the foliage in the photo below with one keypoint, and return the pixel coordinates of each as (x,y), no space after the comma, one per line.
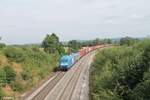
(15,54)
(1,94)
(121,72)
(142,91)
(25,65)
(2,77)
(2,45)
(17,86)
(10,74)
(51,44)
(28,64)
(61,49)
(26,75)
(74,45)
(128,41)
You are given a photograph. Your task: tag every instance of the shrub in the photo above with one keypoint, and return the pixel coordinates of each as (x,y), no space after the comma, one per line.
(2,77)
(2,45)
(128,41)
(10,74)
(122,71)
(15,54)
(1,94)
(26,75)
(17,86)
(142,91)
(33,64)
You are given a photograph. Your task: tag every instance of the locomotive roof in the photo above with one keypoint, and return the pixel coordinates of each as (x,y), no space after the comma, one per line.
(66,57)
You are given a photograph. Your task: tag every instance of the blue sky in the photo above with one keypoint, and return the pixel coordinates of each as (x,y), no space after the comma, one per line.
(28,21)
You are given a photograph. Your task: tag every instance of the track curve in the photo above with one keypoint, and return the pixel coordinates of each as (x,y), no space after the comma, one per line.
(63,85)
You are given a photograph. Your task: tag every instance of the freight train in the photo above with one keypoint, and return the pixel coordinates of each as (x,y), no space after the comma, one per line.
(67,61)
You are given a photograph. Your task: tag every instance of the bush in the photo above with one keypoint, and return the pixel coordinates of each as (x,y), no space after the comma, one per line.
(15,54)
(128,41)
(123,72)
(2,77)
(10,74)
(17,86)
(142,91)
(2,45)
(1,94)
(26,75)
(33,65)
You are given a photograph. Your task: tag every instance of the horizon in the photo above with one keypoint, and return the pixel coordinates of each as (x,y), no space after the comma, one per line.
(34,43)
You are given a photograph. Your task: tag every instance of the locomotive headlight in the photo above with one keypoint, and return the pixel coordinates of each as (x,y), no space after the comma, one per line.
(64,64)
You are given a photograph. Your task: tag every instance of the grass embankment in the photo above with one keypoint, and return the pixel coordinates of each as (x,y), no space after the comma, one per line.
(121,73)
(23,67)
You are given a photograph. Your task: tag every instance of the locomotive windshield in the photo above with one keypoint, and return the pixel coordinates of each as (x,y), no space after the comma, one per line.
(64,60)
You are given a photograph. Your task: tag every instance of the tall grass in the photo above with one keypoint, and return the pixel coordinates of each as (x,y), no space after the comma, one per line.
(32,64)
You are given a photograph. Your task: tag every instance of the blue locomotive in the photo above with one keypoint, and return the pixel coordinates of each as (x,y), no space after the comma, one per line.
(67,61)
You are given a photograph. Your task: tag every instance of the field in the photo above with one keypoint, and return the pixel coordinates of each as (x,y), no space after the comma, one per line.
(22,67)
(122,73)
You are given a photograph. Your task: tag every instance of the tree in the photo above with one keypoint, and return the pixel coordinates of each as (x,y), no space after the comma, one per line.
(127,41)
(51,44)
(74,45)
(96,41)
(61,49)
(109,41)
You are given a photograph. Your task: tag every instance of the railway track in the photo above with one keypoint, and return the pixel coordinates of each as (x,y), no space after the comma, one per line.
(69,89)
(62,85)
(65,88)
(41,92)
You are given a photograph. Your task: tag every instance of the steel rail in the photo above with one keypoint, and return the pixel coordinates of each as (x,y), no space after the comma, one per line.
(40,93)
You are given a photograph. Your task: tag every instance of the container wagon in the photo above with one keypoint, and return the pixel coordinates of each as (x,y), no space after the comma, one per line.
(67,61)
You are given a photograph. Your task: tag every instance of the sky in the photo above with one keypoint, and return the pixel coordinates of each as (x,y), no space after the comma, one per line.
(28,21)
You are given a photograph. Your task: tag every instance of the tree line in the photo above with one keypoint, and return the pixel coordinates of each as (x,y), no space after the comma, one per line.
(51,44)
